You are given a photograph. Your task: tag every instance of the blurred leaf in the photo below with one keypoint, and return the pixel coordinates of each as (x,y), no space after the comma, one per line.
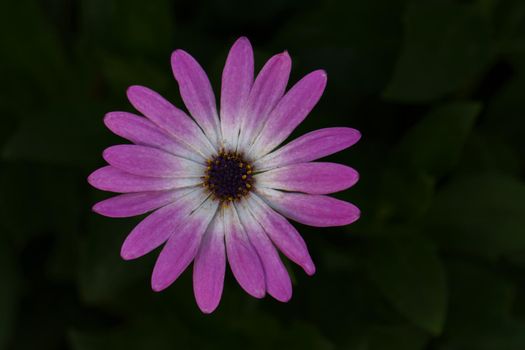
(480,311)
(487,151)
(410,274)
(8,293)
(122,72)
(37,199)
(31,51)
(70,134)
(479,293)
(434,145)
(447,44)
(396,338)
(134,26)
(356,43)
(303,336)
(480,214)
(518,259)
(264,331)
(509,23)
(405,196)
(506,109)
(150,331)
(103,275)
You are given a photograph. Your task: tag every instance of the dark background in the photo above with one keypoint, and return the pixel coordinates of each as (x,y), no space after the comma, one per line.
(437,260)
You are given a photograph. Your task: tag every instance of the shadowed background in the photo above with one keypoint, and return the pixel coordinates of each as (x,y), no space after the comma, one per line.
(437,260)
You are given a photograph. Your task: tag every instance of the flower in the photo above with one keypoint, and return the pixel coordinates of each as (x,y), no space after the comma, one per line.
(217,187)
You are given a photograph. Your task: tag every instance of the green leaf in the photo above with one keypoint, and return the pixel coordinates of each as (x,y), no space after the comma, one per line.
(488,151)
(31,51)
(505,110)
(480,214)
(434,145)
(303,335)
(69,134)
(103,276)
(122,72)
(481,310)
(406,195)
(357,45)
(447,44)
(509,20)
(410,274)
(49,195)
(396,337)
(129,26)
(148,331)
(8,293)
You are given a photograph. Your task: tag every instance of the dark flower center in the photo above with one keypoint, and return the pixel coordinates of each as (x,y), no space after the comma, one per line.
(228,176)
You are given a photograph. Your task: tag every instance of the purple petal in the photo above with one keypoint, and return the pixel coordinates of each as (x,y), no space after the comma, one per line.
(278,283)
(111,179)
(132,204)
(282,234)
(169,118)
(267,90)
(310,209)
(209,267)
(243,259)
(196,91)
(314,178)
(312,146)
(157,227)
(147,161)
(237,80)
(143,132)
(290,112)
(182,246)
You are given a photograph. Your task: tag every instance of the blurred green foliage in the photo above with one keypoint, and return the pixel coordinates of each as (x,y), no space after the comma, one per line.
(437,87)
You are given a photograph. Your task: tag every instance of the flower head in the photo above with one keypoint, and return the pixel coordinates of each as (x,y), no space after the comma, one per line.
(216,185)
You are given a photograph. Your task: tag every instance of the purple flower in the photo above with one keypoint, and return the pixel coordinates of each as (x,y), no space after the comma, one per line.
(218,186)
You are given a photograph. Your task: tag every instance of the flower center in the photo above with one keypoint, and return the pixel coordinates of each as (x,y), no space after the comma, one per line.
(228,176)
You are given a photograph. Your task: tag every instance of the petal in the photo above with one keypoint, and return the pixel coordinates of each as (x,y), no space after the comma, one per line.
(315,178)
(131,204)
(141,131)
(290,112)
(312,146)
(209,267)
(182,246)
(312,210)
(237,80)
(278,283)
(196,92)
(169,118)
(282,234)
(243,258)
(111,179)
(267,90)
(147,161)
(157,227)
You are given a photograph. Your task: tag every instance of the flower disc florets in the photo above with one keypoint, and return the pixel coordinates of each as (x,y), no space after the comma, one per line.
(228,176)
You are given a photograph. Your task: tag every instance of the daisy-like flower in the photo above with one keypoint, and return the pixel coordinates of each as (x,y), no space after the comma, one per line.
(217,186)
